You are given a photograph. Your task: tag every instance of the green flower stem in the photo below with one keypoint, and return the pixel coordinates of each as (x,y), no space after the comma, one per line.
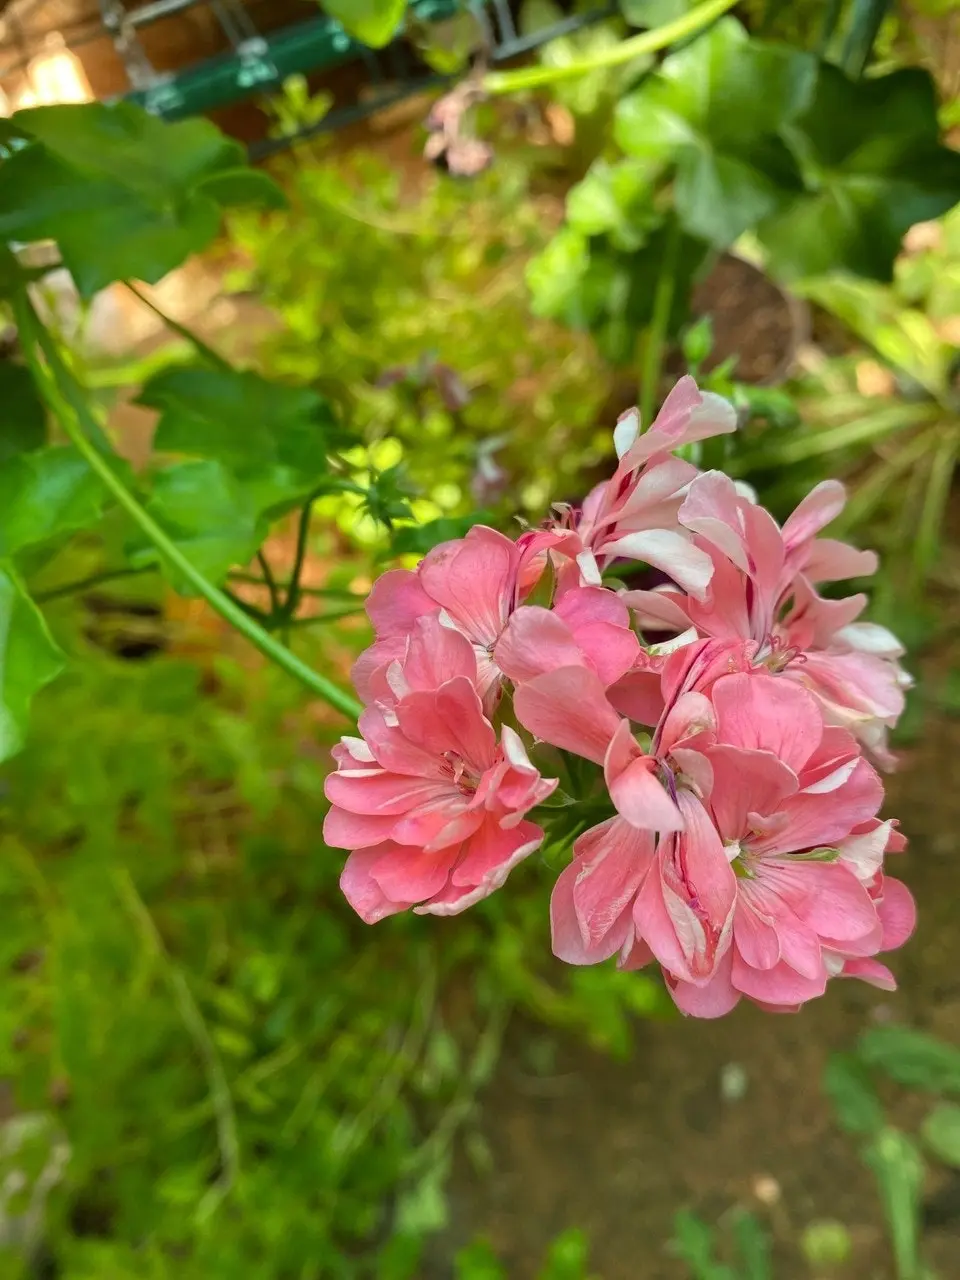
(497,82)
(88,584)
(656,337)
(76,424)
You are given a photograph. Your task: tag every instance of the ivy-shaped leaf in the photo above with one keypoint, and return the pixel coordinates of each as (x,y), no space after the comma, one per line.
(873,166)
(44,494)
(711,113)
(274,438)
(123,194)
(372,22)
(29,659)
(208,514)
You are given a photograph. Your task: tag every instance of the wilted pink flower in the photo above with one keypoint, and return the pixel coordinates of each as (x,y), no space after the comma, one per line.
(633,516)
(763,589)
(471,584)
(430,803)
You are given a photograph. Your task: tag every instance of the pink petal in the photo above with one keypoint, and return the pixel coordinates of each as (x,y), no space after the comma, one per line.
(809,821)
(396,600)
(670,552)
(634,788)
(342,830)
(610,650)
(746,782)
(568,709)
(898,914)
(475,580)
(755,937)
(826,896)
(585,605)
(763,713)
(714,999)
(872,971)
(712,510)
(660,609)
(437,654)
(821,505)
(386,793)
(610,862)
(690,717)
(831,561)
(637,695)
(410,875)
(492,858)
(780,985)
(363,892)
(449,719)
(535,641)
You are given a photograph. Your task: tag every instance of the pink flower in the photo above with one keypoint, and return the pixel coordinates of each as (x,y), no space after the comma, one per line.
(472,584)
(763,589)
(430,803)
(633,516)
(771,886)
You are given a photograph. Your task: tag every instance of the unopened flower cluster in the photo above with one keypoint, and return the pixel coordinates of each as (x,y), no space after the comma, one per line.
(725,776)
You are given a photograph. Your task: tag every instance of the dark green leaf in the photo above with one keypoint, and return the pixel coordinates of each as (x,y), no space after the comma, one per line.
(29,659)
(373,22)
(44,494)
(24,423)
(941,1133)
(242,187)
(912,1058)
(120,191)
(424,537)
(274,437)
(615,200)
(873,166)
(866,20)
(209,514)
(713,111)
(123,143)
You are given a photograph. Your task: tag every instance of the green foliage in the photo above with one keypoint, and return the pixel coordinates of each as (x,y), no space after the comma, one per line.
(567,1259)
(696,1244)
(123,194)
(25,422)
(940,1132)
(29,659)
(373,22)
(912,1058)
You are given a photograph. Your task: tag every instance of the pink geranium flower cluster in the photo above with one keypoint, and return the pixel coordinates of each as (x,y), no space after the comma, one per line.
(731,764)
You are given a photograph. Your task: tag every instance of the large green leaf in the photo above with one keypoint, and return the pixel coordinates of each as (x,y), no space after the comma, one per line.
(44,494)
(208,513)
(941,1133)
(373,22)
(122,193)
(24,422)
(713,111)
(615,200)
(873,166)
(912,1057)
(29,659)
(273,437)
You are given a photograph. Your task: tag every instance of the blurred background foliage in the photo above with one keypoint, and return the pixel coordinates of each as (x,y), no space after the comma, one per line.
(209,1068)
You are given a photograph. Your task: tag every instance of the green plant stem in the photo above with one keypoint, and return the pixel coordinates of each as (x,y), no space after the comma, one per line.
(303,533)
(659,326)
(75,424)
(208,353)
(275,604)
(498,82)
(94,580)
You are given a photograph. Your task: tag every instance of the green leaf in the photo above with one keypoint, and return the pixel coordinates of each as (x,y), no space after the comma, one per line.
(873,166)
(712,111)
(123,143)
(275,438)
(123,193)
(912,1058)
(105,231)
(567,1257)
(29,659)
(424,537)
(44,494)
(209,515)
(477,1261)
(24,425)
(848,1086)
(238,187)
(373,22)
(615,200)
(941,1133)
(654,13)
